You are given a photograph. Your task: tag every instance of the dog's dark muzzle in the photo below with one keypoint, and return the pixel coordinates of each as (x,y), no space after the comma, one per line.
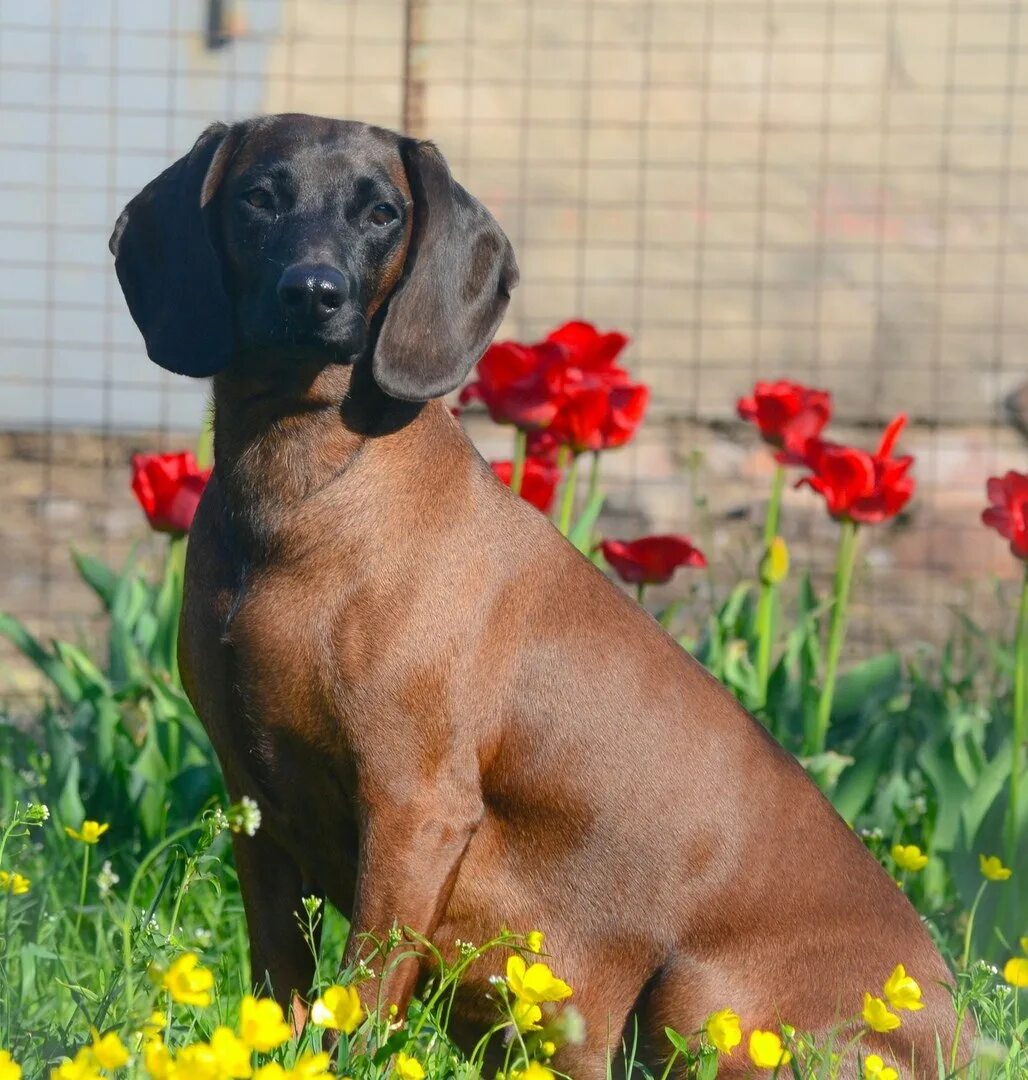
(312,295)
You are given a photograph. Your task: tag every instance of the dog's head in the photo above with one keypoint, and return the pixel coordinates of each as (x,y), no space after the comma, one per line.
(295,240)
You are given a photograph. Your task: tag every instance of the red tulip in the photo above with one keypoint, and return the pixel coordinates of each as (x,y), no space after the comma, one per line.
(538,482)
(586,347)
(1008,514)
(789,415)
(599,417)
(168,487)
(858,486)
(568,386)
(543,446)
(515,384)
(651,560)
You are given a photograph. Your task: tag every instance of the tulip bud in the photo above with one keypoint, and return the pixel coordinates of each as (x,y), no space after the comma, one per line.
(774,567)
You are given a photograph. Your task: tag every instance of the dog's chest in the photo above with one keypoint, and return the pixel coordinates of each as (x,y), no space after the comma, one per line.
(278,633)
(269,700)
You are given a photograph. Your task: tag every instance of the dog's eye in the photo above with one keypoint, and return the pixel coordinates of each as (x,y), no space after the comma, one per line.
(383,214)
(259,199)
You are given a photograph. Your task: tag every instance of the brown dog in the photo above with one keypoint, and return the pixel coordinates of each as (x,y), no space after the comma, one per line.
(451,720)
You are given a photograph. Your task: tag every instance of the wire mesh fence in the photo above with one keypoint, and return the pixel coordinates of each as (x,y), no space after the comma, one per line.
(749,188)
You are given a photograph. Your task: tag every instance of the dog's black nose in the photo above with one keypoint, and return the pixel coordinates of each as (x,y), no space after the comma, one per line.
(311,293)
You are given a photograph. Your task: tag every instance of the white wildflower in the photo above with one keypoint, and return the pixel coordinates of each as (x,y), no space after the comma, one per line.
(106,879)
(244,816)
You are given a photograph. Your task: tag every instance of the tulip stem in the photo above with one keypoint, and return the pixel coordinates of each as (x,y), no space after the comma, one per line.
(1020,719)
(818,735)
(567,501)
(640,592)
(768,589)
(520,453)
(594,476)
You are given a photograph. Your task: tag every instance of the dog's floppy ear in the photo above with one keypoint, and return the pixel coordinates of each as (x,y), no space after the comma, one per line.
(455,287)
(169,270)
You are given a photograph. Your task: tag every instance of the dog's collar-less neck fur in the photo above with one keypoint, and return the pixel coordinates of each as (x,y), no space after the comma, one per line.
(281,441)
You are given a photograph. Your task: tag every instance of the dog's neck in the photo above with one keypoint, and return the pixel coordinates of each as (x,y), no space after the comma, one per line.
(279,441)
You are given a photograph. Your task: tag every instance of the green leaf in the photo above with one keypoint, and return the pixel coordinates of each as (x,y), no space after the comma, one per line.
(857,784)
(990,783)
(862,689)
(193,787)
(89,677)
(936,759)
(63,778)
(171,706)
(733,608)
(50,665)
(826,768)
(132,602)
(739,673)
(148,786)
(677,1041)
(396,1042)
(98,576)
(708,1067)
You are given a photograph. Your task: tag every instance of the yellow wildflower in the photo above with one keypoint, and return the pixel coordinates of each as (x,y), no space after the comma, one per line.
(157,1060)
(548,1048)
(534,941)
(1015,971)
(108,1050)
(81,1068)
(876,1069)
(14,883)
(408,1068)
(312,1066)
(9,1068)
(232,1053)
(188,982)
(535,1071)
(90,832)
(526,1015)
(992,868)
(877,1016)
(723,1031)
(767,1051)
(261,1024)
(909,857)
(197,1062)
(339,1008)
(155,1025)
(271,1071)
(535,983)
(903,991)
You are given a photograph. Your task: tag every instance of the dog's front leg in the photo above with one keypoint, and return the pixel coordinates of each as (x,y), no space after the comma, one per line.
(272,885)
(410,853)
